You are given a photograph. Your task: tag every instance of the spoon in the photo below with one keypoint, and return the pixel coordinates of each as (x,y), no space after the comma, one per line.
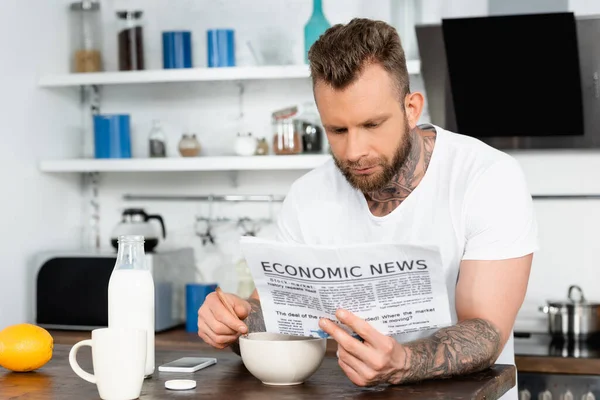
(221,296)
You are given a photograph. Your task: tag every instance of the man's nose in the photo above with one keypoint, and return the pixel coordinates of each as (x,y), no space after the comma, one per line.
(356,145)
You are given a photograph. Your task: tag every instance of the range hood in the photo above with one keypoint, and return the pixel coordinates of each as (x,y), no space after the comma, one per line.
(526,81)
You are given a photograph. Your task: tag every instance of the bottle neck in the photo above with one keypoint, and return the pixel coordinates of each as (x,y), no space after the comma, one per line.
(317,7)
(131,256)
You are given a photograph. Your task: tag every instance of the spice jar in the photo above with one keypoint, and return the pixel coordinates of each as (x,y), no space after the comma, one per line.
(131,40)
(286,138)
(157,140)
(262,147)
(245,145)
(189,146)
(86,33)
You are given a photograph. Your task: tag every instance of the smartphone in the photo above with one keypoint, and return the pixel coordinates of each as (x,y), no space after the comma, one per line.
(187,364)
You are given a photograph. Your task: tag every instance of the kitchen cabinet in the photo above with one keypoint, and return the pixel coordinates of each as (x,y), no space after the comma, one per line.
(464,8)
(585,7)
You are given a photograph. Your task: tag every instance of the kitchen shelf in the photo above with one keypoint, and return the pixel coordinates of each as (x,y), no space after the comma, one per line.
(223,163)
(187,75)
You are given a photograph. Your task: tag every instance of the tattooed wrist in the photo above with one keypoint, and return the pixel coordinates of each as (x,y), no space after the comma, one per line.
(467,347)
(254,321)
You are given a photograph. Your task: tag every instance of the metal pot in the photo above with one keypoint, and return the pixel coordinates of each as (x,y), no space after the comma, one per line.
(573,319)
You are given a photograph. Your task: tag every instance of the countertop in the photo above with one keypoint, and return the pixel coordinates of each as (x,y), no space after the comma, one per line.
(536,353)
(229,379)
(539,352)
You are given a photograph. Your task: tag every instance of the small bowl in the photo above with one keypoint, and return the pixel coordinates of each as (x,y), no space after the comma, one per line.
(277,359)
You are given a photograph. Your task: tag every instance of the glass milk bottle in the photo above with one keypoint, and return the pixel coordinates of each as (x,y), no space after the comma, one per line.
(131,293)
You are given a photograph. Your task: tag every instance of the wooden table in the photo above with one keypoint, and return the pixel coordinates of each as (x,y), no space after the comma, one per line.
(179,339)
(229,379)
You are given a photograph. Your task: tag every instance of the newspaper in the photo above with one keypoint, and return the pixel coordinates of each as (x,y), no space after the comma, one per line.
(397,288)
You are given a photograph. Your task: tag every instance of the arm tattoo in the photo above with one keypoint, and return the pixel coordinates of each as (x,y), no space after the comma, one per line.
(467,347)
(417,156)
(255,322)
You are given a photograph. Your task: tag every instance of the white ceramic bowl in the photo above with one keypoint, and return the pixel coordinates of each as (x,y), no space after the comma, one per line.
(278,359)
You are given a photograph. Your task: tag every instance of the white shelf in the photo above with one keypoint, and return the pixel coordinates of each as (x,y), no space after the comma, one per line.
(224,163)
(187,75)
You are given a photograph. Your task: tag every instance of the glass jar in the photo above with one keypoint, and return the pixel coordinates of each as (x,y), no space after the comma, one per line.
(189,146)
(308,123)
(131,40)
(86,34)
(286,138)
(157,140)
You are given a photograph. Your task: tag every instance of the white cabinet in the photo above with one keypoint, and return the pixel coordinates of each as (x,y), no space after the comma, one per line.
(585,7)
(501,7)
(464,8)
(434,10)
(579,7)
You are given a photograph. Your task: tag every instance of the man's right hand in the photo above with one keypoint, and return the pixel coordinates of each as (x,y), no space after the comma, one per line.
(216,325)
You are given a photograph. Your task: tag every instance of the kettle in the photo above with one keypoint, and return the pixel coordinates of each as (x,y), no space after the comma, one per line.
(135,221)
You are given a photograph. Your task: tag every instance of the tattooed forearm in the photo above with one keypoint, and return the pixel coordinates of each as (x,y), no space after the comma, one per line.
(255,322)
(470,346)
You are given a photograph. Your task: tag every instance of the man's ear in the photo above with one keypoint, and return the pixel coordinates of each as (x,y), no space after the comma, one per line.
(413,106)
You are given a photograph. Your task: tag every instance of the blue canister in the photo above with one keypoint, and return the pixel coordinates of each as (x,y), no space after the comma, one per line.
(195,293)
(221,47)
(177,49)
(112,136)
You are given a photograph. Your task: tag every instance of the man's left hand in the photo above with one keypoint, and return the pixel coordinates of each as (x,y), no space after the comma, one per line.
(379,359)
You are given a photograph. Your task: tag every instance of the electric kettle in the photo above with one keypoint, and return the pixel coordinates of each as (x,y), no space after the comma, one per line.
(135,221)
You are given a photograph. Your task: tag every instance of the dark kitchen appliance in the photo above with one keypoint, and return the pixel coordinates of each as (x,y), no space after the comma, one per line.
(515,90)
(135,221)
(69,289)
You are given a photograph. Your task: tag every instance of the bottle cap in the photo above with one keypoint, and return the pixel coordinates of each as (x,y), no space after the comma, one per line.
(180,384)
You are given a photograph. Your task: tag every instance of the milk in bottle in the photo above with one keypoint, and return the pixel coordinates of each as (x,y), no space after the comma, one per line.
(131,293)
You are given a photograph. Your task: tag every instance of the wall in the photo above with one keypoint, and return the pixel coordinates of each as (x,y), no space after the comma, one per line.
(568,228)
(214,111)
(39,212)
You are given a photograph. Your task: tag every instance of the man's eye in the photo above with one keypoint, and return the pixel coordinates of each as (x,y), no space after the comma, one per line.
(371,126)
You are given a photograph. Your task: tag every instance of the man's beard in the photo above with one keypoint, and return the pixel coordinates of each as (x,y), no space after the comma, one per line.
(379,180)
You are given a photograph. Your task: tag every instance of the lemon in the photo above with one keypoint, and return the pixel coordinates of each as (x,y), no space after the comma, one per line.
(25,347)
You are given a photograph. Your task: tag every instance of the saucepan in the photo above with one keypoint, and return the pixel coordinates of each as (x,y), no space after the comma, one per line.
(574,318)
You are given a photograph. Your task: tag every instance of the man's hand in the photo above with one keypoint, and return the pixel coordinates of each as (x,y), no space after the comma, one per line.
(216,325)
(376,360)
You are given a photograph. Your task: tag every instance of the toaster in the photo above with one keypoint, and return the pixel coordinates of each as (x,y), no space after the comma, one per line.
(70,290)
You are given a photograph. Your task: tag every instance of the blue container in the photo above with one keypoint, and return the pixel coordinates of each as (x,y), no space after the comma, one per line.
(195,293)
(112,136)
(221,47)
(177,49)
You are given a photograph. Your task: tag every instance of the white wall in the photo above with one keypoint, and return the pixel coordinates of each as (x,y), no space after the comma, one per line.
(38,211)
(568,229)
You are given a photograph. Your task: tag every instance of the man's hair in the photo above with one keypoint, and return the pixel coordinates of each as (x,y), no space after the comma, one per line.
(339,56)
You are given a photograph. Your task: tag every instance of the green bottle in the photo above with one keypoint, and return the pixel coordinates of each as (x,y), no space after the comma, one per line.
(315,27)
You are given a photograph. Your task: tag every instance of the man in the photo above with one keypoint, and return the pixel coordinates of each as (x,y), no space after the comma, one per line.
(394,181)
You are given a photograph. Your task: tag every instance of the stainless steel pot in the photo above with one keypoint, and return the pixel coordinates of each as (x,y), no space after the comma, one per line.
(575,318)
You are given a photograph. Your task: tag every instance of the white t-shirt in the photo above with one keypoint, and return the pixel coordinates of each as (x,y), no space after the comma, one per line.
(473,204)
